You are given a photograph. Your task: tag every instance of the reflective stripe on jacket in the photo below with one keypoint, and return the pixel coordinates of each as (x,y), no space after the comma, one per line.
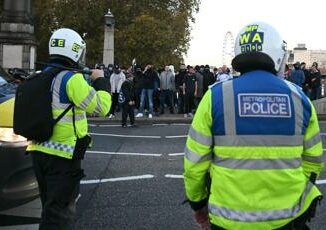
(70,87)
(258,136)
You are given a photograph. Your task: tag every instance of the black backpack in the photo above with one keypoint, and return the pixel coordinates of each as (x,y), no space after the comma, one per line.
(33,106)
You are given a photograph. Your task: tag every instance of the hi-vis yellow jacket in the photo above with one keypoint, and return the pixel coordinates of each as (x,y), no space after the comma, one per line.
(258,137)
(71,87)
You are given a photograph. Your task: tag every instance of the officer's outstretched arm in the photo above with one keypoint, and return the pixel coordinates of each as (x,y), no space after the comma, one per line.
(313,149)
(94,100)
(198,154)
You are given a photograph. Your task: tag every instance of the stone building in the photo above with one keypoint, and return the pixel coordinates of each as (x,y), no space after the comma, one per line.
(302,54)
(17,41)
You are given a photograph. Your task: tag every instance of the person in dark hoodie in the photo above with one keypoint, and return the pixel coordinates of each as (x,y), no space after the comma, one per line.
(127,101)
(138,84)
(179,79)
(208,78)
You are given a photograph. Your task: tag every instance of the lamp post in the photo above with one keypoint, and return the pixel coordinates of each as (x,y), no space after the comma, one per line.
(108,50)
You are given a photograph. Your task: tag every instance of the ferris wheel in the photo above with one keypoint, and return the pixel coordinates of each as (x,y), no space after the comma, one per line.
(228,49)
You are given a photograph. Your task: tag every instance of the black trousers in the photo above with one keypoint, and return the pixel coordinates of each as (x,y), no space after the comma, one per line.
(115,97)
(189,102)
(166,96)
(180,101)
(127,110)
(58,179)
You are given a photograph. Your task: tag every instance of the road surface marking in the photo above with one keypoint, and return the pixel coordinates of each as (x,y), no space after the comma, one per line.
(179,136)
(77,198)
(321,182)
(179,124)
(109,125)
(176,154)
(119,135)
(173,176)
(159,124)
(92,125)
(98,181)
(127,154)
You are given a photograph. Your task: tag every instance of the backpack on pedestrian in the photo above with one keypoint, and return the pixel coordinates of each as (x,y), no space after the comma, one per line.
(33,117)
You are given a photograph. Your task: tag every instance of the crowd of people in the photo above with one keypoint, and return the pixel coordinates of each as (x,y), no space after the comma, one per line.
(150,91)
(308,79)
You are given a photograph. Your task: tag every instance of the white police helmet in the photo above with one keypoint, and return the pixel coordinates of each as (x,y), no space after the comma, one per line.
(68,43)
(259,46)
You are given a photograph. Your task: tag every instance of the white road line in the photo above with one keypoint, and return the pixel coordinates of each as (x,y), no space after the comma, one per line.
(322,134)
(159,124)
(173,176)
(179,136)
(92,125)
(128,136)
(127,154)
(179,124)
(98,181)
(109,126)
(176,154)
(321,182)
(78,197)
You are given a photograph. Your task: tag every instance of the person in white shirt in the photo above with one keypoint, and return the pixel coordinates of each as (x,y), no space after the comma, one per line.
(224,75)
(116,80)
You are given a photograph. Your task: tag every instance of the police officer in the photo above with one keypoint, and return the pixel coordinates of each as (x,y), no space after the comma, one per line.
(57,162)
(257,137)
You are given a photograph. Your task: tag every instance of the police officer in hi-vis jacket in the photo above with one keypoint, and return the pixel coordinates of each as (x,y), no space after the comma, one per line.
(57,161)
(257,140)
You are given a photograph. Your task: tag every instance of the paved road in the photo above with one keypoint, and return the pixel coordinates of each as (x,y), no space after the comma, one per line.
(134,181)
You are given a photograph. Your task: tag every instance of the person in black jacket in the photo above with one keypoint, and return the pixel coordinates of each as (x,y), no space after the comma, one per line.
(179,79)
(208,79)
(315,82)
(150,76)
(127,101)
(138,84)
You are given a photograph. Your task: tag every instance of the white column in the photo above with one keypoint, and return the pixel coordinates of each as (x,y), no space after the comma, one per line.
(108,51)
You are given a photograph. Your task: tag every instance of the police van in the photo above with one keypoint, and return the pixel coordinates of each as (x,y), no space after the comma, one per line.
(18,184)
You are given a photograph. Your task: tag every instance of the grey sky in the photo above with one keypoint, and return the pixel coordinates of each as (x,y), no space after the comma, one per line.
(297,21)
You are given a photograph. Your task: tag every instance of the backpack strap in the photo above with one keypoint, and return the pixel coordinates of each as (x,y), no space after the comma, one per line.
(66,77)
(64,113)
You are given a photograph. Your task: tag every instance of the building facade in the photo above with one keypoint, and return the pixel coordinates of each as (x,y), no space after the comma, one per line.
(302,54)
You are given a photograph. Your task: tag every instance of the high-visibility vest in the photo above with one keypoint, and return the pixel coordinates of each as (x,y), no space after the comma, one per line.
(258,136)
(71,87)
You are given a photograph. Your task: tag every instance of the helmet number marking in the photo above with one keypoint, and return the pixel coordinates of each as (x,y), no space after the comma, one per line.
(76,47)
(251,40)
(57,42)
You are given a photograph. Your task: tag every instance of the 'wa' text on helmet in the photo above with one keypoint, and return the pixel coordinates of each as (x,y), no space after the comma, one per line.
(67,43)
(259,46)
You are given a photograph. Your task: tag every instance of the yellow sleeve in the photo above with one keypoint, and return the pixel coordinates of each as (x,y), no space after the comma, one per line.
(86,97)
(199,152)
(313,149)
